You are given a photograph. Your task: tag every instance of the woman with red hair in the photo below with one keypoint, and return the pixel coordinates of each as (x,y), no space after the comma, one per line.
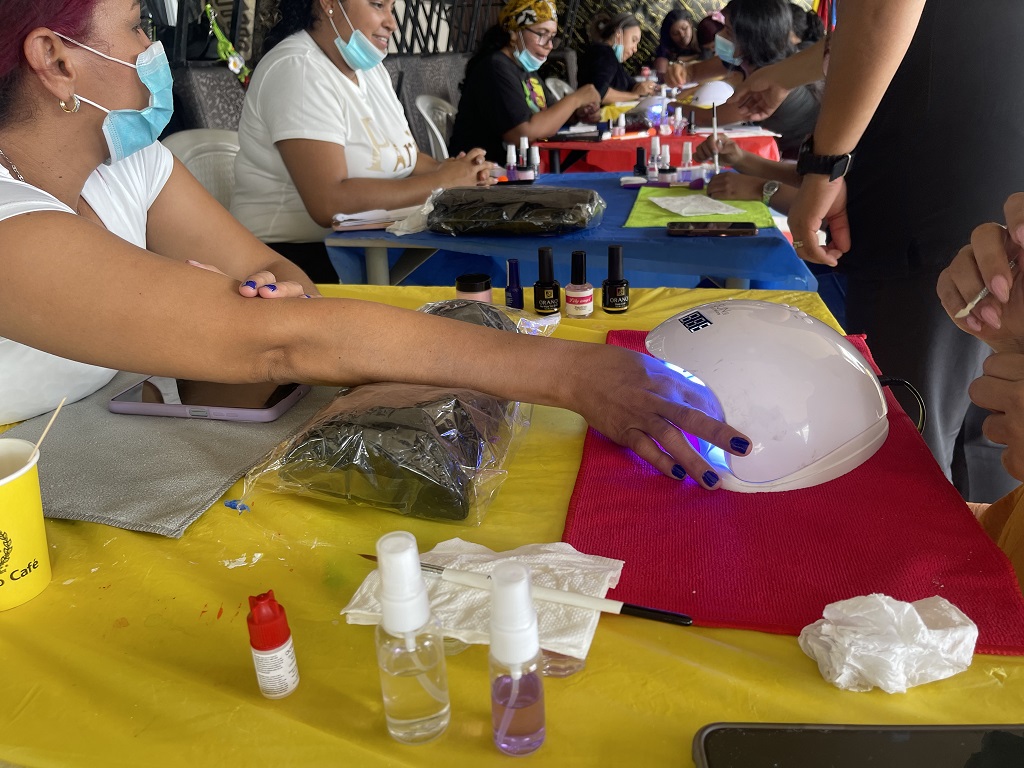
(99,226)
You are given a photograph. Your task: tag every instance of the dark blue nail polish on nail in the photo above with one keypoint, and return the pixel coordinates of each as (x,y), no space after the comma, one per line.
(250,283)
(739,444)
(678,471)
(271,287)
(306,296)
(709,478)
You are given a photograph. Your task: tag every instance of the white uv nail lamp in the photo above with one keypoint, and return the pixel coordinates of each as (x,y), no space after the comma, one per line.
(805,396)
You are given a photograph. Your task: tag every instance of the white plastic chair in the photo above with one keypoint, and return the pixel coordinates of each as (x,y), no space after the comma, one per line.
(438,115)
(209,154)
(559,88)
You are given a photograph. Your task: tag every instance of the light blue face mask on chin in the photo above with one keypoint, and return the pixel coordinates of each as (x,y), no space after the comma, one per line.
(619,50)
(526,59)
(129,130)
(725,49)
(358,52)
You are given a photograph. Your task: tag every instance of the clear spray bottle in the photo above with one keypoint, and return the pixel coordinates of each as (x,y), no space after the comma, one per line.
(410,646)
(517,687)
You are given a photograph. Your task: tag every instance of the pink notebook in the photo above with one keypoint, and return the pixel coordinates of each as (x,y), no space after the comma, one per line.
(772,561)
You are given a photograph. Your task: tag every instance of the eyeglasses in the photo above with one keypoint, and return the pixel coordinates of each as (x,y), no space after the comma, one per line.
(545,38)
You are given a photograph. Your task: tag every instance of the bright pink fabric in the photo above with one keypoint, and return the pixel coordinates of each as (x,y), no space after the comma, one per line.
(772,561)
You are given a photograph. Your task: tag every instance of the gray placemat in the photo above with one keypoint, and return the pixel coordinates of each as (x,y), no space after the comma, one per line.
(148,473)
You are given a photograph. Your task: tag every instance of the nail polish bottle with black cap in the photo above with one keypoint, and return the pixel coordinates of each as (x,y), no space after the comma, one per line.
(615,290)
(547,293)
(579,294)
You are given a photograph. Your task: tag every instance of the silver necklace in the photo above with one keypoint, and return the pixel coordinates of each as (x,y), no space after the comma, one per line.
(13,166)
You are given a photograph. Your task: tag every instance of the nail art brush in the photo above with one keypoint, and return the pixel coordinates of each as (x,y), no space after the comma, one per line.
(981,295)
(561,596)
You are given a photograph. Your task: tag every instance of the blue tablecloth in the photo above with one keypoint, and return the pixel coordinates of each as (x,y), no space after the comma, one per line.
(652,258)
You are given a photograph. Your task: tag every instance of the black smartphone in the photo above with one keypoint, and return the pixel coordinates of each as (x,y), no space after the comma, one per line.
(711,228)
(795,745)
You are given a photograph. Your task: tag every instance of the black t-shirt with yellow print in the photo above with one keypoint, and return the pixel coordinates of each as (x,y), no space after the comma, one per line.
(497,95)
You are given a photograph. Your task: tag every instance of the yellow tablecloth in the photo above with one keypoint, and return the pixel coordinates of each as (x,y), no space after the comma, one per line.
(137,653)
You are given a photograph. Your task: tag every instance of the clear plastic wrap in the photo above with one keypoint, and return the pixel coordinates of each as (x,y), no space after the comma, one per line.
(431,452)
(494,316)
(514,210)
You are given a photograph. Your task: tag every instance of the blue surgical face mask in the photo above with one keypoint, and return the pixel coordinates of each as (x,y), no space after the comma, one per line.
(619,50)
(526,59)
(358,52)
(725,49)
(129,130)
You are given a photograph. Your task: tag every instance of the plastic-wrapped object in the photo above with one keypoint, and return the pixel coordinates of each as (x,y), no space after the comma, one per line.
(431,452)
(494,316)
(535,210)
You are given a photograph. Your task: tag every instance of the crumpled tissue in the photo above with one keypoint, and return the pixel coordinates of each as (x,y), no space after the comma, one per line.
(465,612)
(876,640)
(415,221)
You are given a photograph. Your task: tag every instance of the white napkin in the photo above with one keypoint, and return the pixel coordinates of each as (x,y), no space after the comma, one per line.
(465,612)
(876,640)
(416,219)
(694,205)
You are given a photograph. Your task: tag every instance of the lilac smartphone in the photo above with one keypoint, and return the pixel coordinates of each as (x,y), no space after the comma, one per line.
(161,396)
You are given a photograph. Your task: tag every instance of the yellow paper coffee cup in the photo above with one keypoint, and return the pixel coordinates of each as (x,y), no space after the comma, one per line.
(24,559)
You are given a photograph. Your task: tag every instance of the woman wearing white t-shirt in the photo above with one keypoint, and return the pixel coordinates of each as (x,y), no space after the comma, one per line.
(322,131)
(99,225)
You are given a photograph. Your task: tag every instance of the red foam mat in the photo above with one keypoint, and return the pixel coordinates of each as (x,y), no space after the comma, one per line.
(772,561)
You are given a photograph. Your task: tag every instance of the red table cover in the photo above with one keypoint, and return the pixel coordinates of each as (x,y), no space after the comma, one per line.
(772,561)
(620,154)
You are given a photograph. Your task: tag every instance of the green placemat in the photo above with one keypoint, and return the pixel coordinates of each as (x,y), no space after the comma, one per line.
(648,214)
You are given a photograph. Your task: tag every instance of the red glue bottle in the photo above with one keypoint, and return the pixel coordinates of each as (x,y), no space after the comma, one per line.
(272,652)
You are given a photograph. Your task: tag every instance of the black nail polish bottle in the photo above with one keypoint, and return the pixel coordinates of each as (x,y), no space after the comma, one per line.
(615,290)
(640,169)
(547,293)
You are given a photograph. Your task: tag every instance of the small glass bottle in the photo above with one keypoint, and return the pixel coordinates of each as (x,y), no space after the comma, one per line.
(273,654)
(513,288)
(615,290)
(524,150)
(678,123)
(410,646)
(640,168)
(547,293)
(652,166)
(510,162)
(517,687)
(579,294)
(535,161)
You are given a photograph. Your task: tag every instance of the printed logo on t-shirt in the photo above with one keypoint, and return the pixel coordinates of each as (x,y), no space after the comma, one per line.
(534,92)
(404,154)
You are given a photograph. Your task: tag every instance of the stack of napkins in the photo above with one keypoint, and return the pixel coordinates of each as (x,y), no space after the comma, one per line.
(376,219)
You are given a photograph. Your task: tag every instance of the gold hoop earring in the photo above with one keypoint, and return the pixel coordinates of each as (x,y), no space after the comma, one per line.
(77,105)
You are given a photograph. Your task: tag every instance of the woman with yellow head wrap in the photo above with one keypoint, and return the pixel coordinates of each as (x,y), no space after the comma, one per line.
(503,98)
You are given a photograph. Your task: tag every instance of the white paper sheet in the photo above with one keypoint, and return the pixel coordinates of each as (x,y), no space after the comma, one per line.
(694,205)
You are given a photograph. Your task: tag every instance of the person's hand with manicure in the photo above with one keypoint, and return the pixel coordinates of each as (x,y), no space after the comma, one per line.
(261,285)
(644,405)
(998,319)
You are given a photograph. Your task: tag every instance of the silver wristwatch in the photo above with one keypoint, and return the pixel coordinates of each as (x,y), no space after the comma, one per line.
(769,189)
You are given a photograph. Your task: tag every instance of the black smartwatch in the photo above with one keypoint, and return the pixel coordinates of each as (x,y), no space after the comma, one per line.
(833,166)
